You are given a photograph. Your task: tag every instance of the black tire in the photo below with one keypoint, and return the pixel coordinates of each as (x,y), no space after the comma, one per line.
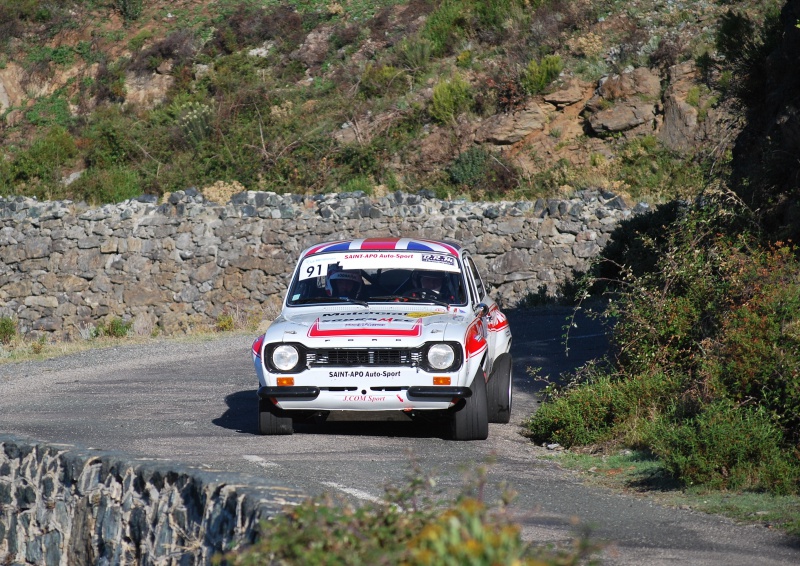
(499,390)
(471,422)
(270,421)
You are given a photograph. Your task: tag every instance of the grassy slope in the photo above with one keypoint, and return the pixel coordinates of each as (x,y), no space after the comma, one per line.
(353,115)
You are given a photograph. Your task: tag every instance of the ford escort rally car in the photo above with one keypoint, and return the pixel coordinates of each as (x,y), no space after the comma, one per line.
(386,325)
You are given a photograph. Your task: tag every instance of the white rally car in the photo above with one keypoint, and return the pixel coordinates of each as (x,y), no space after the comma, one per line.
(391,325)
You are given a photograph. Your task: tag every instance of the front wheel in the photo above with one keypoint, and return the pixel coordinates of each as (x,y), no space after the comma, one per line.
(471,422)
(270,420)
(499,390)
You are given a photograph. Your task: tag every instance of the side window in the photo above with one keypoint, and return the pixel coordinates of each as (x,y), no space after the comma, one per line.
(478,282)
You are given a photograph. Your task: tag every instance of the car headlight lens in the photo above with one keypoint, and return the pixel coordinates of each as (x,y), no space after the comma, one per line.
(441,356)
(285,357)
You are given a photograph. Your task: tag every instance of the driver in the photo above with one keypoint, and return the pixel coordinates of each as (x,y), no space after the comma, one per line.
(430,281)
(344,284)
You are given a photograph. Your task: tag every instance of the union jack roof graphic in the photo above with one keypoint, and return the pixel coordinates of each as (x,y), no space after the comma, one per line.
(363,244)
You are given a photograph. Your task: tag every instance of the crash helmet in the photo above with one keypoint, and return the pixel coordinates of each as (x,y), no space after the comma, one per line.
(332,286)
(429,279)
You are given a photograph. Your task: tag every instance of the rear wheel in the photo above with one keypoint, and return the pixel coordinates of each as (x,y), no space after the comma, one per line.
(471,422)
(499,390)
(270,419)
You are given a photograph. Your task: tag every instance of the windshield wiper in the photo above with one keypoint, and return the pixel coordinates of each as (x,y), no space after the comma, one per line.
(312,300)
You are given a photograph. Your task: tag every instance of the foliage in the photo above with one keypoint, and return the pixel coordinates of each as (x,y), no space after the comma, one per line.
(646,167)
(408,528)
(130,9)
(450,98)
(42,160)
(707,357)
(225,323)
(381,80)
(455,21)
(8,329)
(116,328)
(114,183)
(483,172)
(726,446)
(539,74)
(51,110)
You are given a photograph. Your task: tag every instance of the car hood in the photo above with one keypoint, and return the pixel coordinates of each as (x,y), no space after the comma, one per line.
(374,327)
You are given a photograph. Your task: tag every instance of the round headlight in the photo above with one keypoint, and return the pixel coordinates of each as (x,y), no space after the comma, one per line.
(285,357)
(441,356)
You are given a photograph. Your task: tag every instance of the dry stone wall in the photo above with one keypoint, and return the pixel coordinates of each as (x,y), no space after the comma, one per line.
(66,267)
(62,505)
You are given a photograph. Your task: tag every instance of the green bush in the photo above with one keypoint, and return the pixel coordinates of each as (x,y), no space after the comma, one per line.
(486,175)
(726,446)
(116,328)
(43,160)
(469,168)
(539,74)
(450,98)
(382,80)
(115,183)
(707,357)
(415,54)
(8,329)
(130,9)
(52,110)
(225,323)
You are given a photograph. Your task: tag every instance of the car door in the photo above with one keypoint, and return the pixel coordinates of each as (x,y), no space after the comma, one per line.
(478,291)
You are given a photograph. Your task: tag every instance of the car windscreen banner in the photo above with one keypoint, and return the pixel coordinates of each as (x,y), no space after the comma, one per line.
(318,265)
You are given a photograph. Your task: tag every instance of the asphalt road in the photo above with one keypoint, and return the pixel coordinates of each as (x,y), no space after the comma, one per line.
(194,402)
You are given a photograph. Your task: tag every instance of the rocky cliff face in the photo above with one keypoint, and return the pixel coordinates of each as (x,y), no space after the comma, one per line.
(767,153)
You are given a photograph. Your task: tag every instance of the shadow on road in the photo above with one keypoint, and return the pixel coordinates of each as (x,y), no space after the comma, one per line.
(538,342)
(241,416)
(241,412)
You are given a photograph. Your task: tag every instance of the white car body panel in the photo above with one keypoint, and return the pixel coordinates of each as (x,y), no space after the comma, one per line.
(341,330)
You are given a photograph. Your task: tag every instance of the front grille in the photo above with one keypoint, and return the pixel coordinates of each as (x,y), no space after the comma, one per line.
(347,357)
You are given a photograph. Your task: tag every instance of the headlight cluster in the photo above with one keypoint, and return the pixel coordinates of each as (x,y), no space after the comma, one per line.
(441,356)
(283,357)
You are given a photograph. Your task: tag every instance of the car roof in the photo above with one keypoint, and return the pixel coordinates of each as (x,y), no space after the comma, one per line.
(384,244)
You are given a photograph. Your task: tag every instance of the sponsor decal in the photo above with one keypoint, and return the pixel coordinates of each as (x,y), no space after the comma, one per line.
(475,342)
(439,259)
(379,327)
(362,373)
(364,398)
(422,314)
(498,321)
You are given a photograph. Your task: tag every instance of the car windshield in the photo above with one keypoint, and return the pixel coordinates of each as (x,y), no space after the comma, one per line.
(375,277)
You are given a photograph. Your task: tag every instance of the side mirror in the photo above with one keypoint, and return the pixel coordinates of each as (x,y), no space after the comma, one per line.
(482,310)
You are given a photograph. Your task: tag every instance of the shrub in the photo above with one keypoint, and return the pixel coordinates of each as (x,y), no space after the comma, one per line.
(707,356)
(51,110)
(469,168)
(726,446)
(415,54)
(485,174)
(44,158)
(194,120)
(450,98)
(539,74)
(382,80)
(117,328)
(111,184)
(130,9)
(8,329)
(225,323)
(407,529)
